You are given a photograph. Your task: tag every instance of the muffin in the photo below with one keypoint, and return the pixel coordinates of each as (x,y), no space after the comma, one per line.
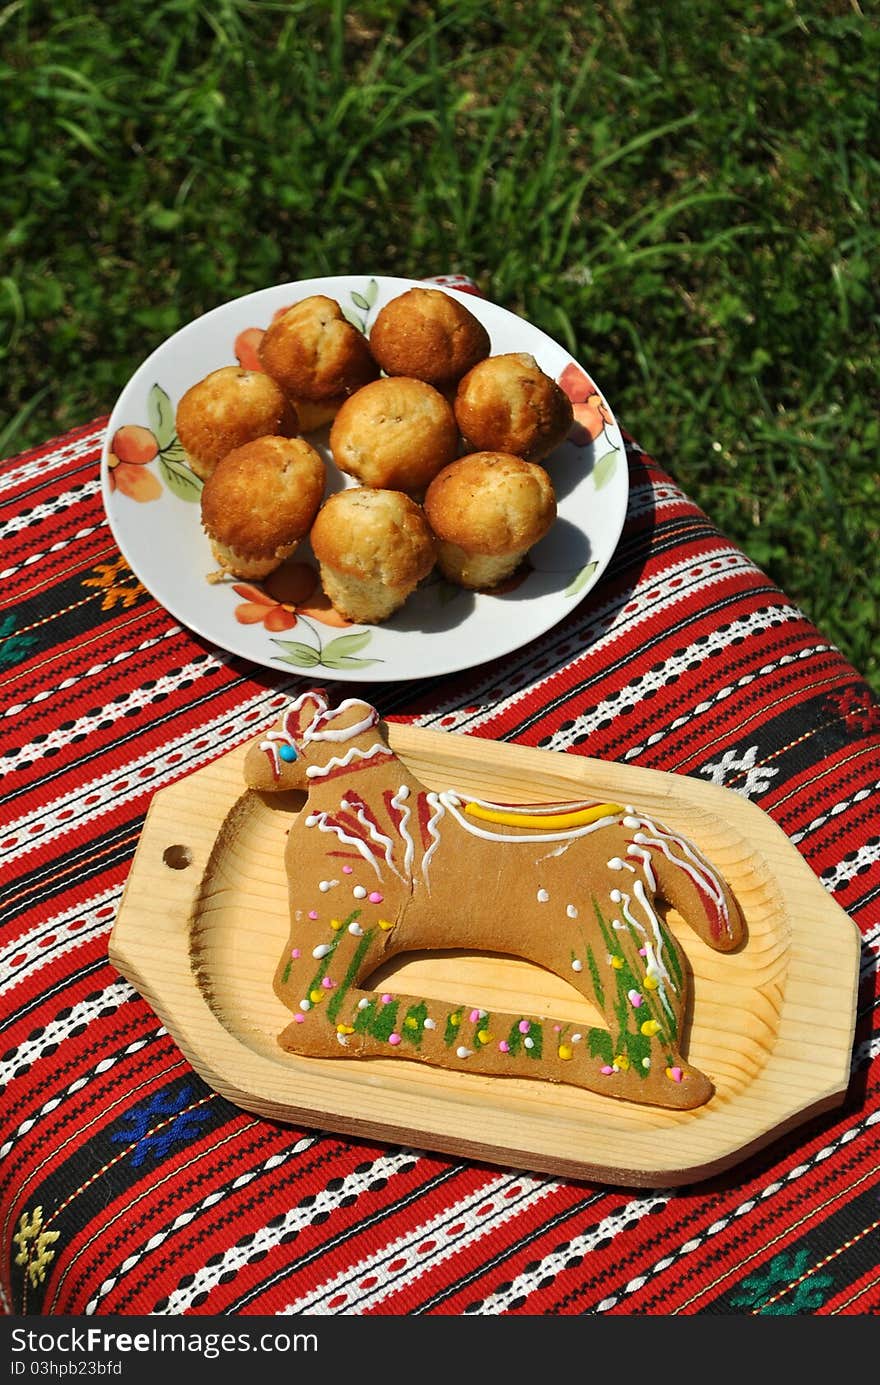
(373,548)
(487,510)
(317,413)
(395,434)
(315,354)
(227,409)
(428,335)
(507,404)
(259,502)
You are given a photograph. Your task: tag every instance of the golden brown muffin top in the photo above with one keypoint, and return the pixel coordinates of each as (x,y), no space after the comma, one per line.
(374,534)
(228,408)
(428,335)
(264,495)
(395,434)
(314,352)
(507,403)
(491,503)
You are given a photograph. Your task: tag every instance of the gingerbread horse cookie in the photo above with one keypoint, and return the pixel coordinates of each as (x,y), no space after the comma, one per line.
(379,865)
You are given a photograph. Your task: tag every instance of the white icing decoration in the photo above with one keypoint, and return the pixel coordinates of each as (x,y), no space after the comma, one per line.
(320,771)
(321,950)
(576,1038)
(546,809)
(463,1052)
(429,1023)
(356,929)
(577,964)
(362,1004)
(345,733)
(361,846)
(696,866)
(542,896)
(359,892)
(571,911)
(645,857)
(529,1043)
(403,828)
(325,885)
(433,799)
(653,959)
(305,1005)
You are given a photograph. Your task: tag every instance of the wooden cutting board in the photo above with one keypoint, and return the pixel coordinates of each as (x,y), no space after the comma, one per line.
(204,919)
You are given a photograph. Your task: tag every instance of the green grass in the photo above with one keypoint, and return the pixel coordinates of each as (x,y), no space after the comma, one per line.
(685,194)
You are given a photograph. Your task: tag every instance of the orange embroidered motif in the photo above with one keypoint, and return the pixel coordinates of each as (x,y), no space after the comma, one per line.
(118,583)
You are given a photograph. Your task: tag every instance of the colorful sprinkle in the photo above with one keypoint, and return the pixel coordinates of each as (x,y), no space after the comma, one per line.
(484,1036)
(504,1046)
(295,953)
(288,754)
(327,983)
(386,998)
(475,1015)
(564,1051)
(345,1029)
(336,924)
(316,995)
(607,1071)
(386,925)
(649,1028)
(376,897)
(346,870)
(524,1026)
(299,1019)
(411,1022)
(455,1020)
(394,1039)
(621,1062)
(675,1074)
(313,913)
(651,983)
(635,998)
(616,961)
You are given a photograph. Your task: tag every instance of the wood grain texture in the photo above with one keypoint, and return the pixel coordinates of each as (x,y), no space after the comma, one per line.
(204,918)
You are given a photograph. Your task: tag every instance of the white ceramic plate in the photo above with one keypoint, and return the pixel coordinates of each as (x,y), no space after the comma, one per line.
(152,503)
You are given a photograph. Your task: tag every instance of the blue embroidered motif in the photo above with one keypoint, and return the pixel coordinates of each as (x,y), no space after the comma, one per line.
(176,1125)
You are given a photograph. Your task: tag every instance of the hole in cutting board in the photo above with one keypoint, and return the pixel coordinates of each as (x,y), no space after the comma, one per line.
(178,856)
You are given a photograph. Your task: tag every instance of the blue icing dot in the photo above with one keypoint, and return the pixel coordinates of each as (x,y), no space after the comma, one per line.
(287,753)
